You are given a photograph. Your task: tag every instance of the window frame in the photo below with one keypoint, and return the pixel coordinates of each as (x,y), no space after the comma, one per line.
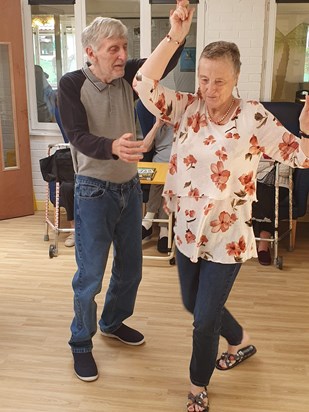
(36,127)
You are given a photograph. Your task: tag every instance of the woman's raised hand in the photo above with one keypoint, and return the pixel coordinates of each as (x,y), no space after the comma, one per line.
(180,20)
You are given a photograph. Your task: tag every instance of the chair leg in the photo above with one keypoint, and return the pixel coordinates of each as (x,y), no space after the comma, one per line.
(293,234)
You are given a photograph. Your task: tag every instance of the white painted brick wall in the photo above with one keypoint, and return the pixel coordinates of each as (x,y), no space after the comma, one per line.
(242,22)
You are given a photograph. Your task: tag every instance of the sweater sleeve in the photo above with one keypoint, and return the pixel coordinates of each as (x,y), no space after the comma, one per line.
(74,119)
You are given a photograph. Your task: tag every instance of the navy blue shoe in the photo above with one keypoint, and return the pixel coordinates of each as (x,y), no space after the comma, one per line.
(85,367)
(146,233)
(126,335)
(162,244)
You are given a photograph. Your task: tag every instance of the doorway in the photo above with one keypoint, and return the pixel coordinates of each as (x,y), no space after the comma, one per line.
(16,191)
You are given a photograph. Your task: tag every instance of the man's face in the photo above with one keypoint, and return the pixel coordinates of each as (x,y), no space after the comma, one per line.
(109,60)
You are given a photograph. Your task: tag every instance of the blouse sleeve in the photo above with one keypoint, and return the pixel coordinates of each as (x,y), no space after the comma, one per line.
(162,102)
(274,140)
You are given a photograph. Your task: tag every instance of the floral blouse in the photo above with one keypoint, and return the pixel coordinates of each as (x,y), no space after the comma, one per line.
(211,182)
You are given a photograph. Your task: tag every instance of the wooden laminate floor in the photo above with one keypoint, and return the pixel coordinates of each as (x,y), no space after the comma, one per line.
(36,309)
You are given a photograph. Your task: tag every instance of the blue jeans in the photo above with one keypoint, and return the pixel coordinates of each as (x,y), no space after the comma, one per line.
(205,287)
(105,213)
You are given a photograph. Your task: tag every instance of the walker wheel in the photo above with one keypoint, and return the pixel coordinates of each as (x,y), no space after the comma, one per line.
(279,262)
(172,261)
(52,251)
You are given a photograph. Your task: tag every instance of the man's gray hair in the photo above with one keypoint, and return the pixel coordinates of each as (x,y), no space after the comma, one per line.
(102,28)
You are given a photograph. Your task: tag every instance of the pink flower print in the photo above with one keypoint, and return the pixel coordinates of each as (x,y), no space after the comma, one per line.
(190,161)
(209,140)
(255,149)
(289,145)
(194,193)
(242,244)
(219,176)
(278,123)
(169,193)
(248,183)
(208,208)
(221,154)
(238,111)
(236,248)
(179,96)
(203,241)
(253,102)
(191,99)
(196,121)
(160,104)
(233,249)
(178,240)
(172,168)
(231,135)
(176,127)
(223,223)
(190,213)
(190,237)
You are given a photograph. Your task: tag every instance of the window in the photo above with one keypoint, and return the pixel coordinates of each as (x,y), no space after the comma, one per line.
(126,11)
(291,54)
(8,128)
(183,76)
(50,53)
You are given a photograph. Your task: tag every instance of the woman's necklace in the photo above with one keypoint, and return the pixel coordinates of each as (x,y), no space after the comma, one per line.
(218,122)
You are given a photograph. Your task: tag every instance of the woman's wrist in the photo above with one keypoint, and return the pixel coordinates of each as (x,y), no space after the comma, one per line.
(303,134)
(171,38)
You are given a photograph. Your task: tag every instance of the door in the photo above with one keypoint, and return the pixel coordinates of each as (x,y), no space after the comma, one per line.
(16,191)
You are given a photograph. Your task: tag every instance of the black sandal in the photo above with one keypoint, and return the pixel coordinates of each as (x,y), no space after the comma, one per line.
(231,360)
(198,400)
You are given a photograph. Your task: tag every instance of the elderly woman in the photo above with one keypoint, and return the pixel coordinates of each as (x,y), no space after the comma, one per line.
(211,185)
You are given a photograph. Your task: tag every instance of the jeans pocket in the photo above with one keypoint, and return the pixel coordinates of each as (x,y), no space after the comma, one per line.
(89,191)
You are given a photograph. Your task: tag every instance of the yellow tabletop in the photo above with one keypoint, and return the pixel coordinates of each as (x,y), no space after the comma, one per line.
(158,170)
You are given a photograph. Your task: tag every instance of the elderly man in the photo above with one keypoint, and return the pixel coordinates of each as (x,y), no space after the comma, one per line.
(97,110)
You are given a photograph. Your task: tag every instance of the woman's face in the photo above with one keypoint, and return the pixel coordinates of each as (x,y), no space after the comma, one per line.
(217,79)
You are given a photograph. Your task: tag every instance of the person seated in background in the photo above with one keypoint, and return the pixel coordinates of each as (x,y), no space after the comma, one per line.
(263,211)
(160,138)
(45,96)
(67,199)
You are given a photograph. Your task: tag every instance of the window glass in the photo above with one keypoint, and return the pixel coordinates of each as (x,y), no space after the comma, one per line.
(128,11)
(7,118)
(183,76)
(53,36)
(291,56)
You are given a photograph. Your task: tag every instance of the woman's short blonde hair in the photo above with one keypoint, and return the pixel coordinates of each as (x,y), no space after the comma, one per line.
(102,28)
(220,49)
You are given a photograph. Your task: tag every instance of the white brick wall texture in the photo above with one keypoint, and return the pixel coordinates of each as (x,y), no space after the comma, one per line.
(242,22)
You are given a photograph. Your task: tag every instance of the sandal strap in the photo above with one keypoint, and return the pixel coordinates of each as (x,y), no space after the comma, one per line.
(198,399)
(228,358)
